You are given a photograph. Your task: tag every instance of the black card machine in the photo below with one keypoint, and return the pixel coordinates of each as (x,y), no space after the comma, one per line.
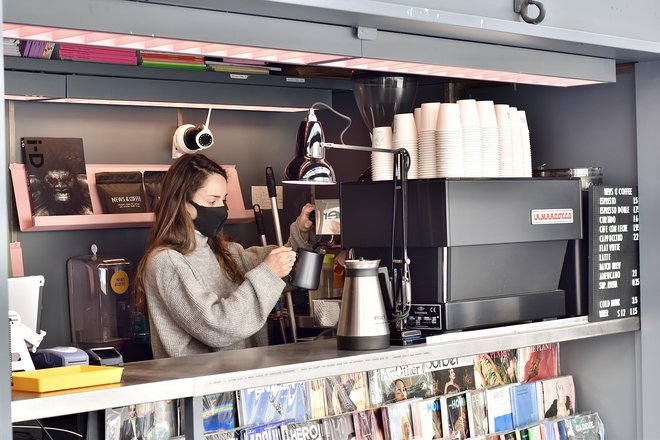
(105,356)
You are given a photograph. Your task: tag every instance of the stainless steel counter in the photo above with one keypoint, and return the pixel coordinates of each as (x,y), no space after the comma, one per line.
(189,376)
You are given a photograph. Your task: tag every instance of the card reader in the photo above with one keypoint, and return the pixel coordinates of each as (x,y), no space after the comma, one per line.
(105,356)
(59,357)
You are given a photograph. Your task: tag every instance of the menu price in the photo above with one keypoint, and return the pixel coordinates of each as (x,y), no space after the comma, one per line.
(613,253)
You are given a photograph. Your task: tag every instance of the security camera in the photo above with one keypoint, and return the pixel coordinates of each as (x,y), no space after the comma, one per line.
(189,138)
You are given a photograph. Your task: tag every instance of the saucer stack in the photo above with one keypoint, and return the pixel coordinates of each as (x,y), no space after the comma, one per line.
(426,142)
(404,135)
(471,137)
(382,164)
(504,131)
(490,142)
(449,142)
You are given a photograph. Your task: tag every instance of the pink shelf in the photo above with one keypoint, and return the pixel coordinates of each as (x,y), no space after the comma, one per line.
(237,211)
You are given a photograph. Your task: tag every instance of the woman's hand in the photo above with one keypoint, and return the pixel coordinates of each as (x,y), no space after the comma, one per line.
(280,261)
(303,221)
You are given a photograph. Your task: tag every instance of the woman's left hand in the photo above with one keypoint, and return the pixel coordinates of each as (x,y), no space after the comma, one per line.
(303,221)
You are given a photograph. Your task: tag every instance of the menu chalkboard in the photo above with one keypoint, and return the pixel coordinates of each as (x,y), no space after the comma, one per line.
(613,253)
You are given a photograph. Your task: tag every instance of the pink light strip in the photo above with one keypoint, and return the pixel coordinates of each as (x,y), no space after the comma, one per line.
(259,108)
(456,72)
(106,39)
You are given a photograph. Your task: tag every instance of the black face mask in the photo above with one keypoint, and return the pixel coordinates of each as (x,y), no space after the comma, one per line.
(210,220)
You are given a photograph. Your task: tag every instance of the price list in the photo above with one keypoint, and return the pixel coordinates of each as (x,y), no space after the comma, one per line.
(613,253)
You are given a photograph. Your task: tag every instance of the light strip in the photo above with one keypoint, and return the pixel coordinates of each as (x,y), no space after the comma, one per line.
(25,98)
(456,72)
(105,39)
(259,108)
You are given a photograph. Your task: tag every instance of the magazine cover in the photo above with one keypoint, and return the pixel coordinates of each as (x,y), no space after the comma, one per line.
(234,434)
(586,426)
(525,404)
(538,362)
(558,397)
(368,424)
(477,416)
(309,430)
(498,401)
(549,430)
(218,412)
(345,393)
(534,432)
(427,419)
(423,380)
(273,403)
(57,177)
(153,421)
(270,431)
(497,368)
(317,408)
(456,379)
(455,418)
(397,420)
(339,427)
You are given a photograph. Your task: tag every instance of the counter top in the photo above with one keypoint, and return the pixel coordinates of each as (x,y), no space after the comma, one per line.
(173,378)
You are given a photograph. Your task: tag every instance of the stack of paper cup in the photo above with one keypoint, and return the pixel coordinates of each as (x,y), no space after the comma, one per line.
(504,130)
(490,142)
(382,164)
(516,144)
(449,142)
(404,135)
(418,118)
(526,145)
(471,137)
(426,142)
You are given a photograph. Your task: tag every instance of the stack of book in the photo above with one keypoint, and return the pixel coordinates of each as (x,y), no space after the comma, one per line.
(36,49)
(172,61)
(80,52)
(249,67)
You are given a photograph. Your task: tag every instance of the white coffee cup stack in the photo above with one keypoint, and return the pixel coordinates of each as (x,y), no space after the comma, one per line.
(490,142)
(504,131)
(516,144)
(471,137)
(426,143)
(382,164)
(526,145)
(449,141)
(404,135)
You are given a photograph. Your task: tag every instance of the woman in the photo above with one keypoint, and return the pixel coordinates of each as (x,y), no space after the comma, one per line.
(451,386)
(204,293)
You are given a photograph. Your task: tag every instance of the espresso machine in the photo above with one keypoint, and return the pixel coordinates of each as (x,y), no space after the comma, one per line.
(483,252)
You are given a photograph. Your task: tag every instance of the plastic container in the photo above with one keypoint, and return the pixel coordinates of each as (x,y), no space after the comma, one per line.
(100,300)
(64,378)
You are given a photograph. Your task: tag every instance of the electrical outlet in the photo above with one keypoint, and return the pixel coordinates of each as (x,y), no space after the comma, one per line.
(260,197)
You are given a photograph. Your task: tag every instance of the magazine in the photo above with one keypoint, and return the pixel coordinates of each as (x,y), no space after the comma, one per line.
(218,412)
(558,397)
(397,421)
(427,419)
(339,427)
(368,424)
(273,403)
(154,420)
(57,177)
(336,395)
(538,362)
(496,368)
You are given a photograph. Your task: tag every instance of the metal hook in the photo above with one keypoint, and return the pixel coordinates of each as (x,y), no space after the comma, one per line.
(520,7)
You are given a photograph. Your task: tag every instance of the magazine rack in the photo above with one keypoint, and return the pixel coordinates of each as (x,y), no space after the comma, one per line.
(28,222)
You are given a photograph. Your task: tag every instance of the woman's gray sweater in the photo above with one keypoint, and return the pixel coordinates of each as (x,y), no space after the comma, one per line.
(195,308)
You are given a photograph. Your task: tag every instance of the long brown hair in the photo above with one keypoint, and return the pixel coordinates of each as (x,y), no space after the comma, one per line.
(173,228)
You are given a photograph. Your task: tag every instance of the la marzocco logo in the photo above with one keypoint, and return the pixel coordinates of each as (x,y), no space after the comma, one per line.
(551,216)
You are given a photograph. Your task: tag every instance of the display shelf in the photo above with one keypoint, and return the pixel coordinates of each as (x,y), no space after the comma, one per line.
(190,376)
(28,222)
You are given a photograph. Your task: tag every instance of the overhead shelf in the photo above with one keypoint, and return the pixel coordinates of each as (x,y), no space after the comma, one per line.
(28,222)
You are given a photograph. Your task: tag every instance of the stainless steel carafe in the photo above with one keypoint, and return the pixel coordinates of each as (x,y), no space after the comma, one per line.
(363,323)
